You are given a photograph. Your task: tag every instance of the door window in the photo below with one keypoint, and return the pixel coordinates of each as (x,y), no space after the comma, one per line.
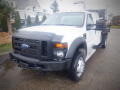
(90,20)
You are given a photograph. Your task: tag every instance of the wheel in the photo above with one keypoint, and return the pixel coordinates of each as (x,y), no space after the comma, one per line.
(78,65)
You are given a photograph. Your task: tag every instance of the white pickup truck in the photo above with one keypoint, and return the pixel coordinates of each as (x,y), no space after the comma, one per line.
(64,41)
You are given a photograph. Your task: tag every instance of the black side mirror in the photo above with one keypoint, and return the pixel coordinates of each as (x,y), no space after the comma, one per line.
(100,25)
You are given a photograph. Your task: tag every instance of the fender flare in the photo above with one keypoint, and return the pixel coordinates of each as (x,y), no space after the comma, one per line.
(77,43)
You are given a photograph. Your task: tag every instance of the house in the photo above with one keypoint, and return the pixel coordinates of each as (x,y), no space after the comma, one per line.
(12,3)
(27,7)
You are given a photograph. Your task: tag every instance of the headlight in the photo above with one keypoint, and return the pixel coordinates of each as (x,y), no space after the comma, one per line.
(59,53)
(60,50)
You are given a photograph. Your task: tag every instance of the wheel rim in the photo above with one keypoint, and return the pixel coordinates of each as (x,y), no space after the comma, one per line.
(80,67)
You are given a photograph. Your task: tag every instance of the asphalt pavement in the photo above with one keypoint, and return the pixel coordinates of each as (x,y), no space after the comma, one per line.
(102,72)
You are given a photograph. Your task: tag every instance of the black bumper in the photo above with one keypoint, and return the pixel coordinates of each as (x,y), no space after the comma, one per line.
(31,63)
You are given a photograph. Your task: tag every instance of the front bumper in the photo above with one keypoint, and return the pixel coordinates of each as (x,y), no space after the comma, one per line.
(31,63)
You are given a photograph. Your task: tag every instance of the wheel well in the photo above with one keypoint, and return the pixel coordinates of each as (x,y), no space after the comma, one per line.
(82,46)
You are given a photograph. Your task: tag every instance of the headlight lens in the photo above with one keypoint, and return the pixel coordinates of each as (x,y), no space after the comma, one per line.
(60,50)
(59,53)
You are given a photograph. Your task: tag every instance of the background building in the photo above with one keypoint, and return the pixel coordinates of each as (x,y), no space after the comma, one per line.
(27,7)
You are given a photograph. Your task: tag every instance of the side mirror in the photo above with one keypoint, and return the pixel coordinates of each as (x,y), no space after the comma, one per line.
(100,25)
(91,27)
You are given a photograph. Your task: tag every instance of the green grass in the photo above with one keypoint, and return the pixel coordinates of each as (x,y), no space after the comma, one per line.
(5,48)
(115,27)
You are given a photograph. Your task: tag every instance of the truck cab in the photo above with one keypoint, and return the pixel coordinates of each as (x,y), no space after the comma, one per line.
(64,41)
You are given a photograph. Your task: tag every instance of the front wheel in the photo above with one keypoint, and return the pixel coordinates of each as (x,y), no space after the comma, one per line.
(78,66)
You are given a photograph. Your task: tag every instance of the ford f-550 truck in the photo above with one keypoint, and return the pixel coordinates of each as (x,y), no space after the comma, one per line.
(64,41)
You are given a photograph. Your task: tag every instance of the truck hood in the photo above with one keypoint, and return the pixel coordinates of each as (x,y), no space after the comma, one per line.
(55,33)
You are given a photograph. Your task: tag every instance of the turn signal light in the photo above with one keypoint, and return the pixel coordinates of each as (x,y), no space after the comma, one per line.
(61,45)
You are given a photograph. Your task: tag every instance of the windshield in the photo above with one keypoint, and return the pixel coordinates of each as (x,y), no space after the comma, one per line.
(67,19)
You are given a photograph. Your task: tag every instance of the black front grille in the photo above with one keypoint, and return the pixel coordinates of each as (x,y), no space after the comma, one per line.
(30,48)
(44,49)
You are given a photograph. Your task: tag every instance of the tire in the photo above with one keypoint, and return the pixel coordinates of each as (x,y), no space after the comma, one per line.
(78,66)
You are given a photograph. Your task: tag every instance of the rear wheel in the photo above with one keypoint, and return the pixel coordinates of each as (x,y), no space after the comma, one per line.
(78,65)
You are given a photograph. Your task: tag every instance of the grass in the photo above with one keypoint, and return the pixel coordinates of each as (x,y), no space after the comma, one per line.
(115,27)
(5,48)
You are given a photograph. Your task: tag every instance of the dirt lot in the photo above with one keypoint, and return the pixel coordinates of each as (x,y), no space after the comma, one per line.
(102,73)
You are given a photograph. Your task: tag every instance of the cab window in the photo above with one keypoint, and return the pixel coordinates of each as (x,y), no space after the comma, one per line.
(89,20)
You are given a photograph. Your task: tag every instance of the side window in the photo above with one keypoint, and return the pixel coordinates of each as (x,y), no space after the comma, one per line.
(89,19)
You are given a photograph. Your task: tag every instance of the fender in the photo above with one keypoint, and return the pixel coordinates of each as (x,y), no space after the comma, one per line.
(75,45)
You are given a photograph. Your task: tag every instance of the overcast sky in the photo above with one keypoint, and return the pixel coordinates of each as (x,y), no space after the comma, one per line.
(113,6)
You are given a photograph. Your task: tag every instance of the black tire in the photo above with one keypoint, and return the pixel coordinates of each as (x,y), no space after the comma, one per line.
(79,57)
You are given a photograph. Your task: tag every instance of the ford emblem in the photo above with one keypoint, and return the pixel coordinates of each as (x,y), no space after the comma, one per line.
(24,46)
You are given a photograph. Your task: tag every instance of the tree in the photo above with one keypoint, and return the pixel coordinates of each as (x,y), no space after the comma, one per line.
(54,6)
(29,23)
(17,23)
(3,23)
(36,20)
(44,18)
(5,12)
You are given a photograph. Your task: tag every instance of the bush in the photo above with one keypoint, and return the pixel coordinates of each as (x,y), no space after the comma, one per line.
(36,20)
(44,18)
(3,23)
(29,23)
(5,11)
